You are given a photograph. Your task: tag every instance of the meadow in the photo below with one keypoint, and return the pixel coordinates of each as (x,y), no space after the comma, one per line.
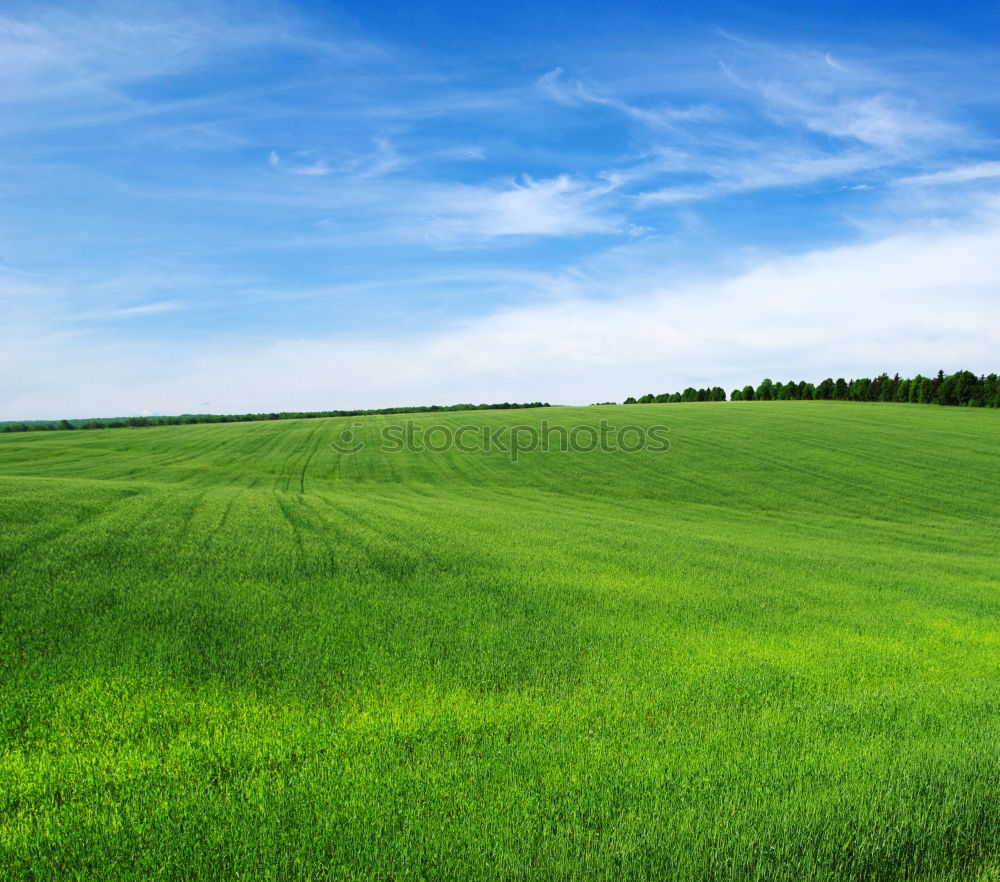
(770,653)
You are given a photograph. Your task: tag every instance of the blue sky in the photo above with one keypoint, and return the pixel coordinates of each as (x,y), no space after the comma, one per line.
(259,206)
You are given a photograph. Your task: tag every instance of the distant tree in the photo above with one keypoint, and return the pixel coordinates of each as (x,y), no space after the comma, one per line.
(765,390)
(991,391)
(960,388)
(925,390)
(946,392)
(748,393)
(933,385)
(858,389)
(889,388)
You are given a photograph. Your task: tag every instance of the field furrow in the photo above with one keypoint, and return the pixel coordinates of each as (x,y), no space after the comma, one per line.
(768,653)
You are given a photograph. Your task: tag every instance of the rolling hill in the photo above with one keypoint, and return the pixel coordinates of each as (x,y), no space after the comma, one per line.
(770,652)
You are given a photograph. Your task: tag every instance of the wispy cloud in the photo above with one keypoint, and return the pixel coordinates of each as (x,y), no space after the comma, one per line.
(109,45)
(789,117)
(381,160)
(554,85)
(844,98)
(554,207)
(317,169)
(963,174)
(761,171)
(142,309)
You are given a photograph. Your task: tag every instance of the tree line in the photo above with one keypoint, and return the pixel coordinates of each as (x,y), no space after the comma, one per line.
(960,389)
(141,422)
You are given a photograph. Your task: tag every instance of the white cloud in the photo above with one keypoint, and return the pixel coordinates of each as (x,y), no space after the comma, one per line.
(910,302)
(316,169)
(551,84)
(979,171)
(60,68)
(846,100)
(377,162)
(782,167)
(790,117)
(383,160)
(551,207)
(141,310)
(112,43)
(876,120)
(576,94)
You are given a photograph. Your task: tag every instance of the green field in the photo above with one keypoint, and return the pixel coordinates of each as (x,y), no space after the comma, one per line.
(773,652)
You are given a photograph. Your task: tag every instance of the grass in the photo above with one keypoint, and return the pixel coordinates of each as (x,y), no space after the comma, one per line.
(771,653)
